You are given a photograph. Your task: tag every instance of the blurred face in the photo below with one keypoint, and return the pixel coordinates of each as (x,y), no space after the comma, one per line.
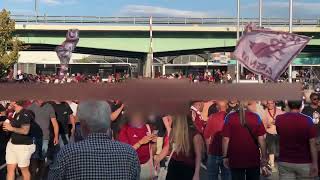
(13,105)
(252,106)
(137,119)
(271,105)
(315,100)
(222,105)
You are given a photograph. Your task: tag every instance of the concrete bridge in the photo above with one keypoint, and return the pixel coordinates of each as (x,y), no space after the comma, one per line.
(130,36)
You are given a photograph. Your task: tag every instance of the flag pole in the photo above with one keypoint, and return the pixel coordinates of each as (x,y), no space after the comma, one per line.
(36,9)
(151,46)
(260,25)
(238,37)
(290,30)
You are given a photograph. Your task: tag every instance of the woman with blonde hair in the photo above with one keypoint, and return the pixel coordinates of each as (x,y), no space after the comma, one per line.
(188,146)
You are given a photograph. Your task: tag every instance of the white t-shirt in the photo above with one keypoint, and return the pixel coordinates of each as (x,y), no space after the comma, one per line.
(73,107)
(294,74)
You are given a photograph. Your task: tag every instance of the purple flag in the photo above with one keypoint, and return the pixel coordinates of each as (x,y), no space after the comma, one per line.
(64,51)
(268,52)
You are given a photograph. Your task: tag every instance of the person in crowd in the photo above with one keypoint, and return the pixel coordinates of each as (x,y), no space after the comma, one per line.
(256,107)
(243,134)
(97,156)
(233,106)
(4,138)
(20,146)
(298,152)
(117,117)
(9,111)
(196,114)
(165,144)
(187,144)
(205,110)
(77,132)
(313,110)
(212,109)
(139,135)
(213,136)
(64,116)
(44,117)
(272,139)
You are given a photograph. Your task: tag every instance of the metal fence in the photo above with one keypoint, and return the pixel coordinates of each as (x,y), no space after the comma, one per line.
(221,21)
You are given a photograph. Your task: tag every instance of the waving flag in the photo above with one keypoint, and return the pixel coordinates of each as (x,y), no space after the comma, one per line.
(64,51)
(268,52)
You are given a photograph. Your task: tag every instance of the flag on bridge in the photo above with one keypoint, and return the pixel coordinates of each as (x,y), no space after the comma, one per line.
(268,52)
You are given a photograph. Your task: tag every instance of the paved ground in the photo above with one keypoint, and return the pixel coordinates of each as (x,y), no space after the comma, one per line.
(275,176)
(204,176)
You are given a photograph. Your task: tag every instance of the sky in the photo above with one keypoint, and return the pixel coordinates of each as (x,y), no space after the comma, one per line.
(167,8)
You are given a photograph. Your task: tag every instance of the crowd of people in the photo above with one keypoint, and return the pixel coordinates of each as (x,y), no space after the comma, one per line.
(216,77)
(105,140)
(306,77)
(68,78)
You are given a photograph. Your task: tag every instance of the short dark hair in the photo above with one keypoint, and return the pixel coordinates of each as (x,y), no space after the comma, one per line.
(295,104)
(313,95)
(2,108)
(21,102)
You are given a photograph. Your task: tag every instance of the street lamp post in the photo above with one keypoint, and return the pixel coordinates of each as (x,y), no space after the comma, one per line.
(36,9)
(260,25)
(238,37)
(290,30)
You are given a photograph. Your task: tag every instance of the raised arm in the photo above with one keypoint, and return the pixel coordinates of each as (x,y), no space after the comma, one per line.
(116,113)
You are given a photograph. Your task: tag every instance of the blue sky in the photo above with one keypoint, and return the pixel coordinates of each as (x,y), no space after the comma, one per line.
(182,8)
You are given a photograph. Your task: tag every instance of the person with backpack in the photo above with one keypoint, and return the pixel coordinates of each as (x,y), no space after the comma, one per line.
(21,144)
(213,137)
(243,140)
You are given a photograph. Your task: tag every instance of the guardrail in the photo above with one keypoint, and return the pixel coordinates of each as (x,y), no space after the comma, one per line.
(158,20)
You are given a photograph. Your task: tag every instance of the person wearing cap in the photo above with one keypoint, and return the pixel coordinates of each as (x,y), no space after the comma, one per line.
(97,156)
(21,146)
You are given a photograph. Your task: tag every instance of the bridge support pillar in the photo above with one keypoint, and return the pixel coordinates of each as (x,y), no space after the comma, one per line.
(147,69)
(163,69)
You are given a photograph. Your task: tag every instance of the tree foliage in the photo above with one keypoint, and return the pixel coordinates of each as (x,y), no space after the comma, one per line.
(9,44)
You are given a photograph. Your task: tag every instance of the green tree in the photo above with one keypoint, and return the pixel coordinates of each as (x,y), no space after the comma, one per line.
(9,44)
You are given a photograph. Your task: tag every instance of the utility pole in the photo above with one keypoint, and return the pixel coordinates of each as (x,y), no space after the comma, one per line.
(260,25)
(290,31)
(36,9)
(238,37)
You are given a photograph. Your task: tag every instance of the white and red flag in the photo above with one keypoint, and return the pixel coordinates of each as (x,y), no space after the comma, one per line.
(268,52)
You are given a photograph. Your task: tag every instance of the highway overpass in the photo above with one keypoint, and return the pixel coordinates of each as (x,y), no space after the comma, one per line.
(130,36)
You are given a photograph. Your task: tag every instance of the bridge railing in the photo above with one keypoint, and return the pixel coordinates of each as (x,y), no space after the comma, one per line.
(157,20)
